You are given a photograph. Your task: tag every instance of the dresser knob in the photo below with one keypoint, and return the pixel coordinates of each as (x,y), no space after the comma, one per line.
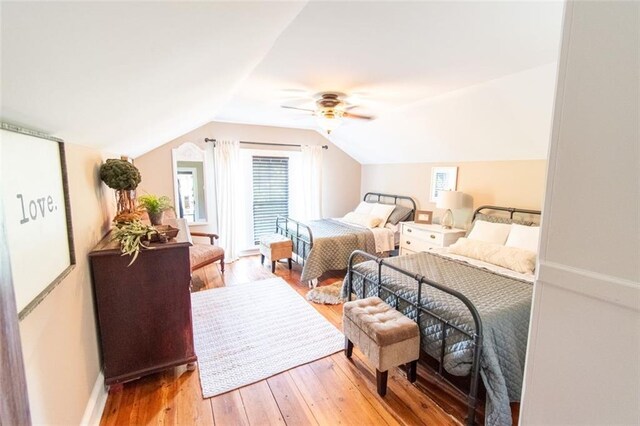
(432,236)
(408,242)
(409,230)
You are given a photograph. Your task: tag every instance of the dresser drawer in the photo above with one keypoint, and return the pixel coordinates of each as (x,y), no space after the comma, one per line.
(435,238)
(415,244)
(405,251)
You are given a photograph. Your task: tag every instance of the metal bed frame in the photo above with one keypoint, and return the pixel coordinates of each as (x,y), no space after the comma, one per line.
(291,228)
(476,336)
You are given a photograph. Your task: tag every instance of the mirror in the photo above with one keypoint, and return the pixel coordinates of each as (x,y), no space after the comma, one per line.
(189,183)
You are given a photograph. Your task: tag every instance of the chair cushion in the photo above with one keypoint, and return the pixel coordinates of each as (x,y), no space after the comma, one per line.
(383,324)
(201,253)
(268,239)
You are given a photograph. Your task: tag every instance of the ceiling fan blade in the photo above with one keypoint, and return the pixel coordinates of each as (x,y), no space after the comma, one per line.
(300,109)
(361,117)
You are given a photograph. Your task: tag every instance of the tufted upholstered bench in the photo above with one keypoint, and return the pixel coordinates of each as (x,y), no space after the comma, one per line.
(384,335)
(275,247)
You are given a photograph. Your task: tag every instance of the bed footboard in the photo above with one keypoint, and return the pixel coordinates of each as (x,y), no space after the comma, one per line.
(475,336)
(302,242)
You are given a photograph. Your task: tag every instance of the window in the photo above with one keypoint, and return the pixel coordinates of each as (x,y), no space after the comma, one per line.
(270,193)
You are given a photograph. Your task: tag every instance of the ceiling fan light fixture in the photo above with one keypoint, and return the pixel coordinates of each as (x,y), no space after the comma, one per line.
(330,110)
(329,122)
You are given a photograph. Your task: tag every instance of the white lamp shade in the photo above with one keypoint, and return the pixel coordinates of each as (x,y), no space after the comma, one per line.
(449,200)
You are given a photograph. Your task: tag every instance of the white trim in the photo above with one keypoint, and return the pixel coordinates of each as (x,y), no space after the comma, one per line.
(189,151)
(603,287)
(95,405)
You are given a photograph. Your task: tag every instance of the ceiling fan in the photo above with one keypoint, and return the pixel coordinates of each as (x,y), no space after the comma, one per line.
(331,108)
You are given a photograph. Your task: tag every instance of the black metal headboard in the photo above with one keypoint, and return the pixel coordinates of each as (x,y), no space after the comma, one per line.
(510,210)
(379,197)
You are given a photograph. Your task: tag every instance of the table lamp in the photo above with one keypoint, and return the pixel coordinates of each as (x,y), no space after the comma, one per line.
(449,200)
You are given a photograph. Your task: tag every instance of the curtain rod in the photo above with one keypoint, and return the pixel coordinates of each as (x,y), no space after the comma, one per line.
(263,143)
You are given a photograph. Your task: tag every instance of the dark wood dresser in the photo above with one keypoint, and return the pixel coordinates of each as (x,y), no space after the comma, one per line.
(144,310)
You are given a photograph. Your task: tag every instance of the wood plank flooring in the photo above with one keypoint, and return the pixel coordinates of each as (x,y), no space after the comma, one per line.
(329,391)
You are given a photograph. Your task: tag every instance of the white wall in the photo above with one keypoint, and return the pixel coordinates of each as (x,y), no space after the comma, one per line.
(583,363)
(499,183)
(503,119)
(59,337)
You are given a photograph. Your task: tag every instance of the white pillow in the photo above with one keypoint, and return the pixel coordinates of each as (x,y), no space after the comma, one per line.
(383,211)
(514,258)
(364,208)
(362,219)
(524,237)
(489,232)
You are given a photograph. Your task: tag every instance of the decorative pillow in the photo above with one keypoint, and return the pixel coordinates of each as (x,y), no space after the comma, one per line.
(383,211)
(516,259)
(502,219)
(399,214)
(364,208)
(524,237)
(498,219)
(489,232)
(369,221)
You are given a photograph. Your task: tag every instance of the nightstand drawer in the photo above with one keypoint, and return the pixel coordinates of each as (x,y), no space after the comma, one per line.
(405,251)
(415,244)
(435,238)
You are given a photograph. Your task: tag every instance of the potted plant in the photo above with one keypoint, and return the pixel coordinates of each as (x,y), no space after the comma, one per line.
(155,206)
(124,177)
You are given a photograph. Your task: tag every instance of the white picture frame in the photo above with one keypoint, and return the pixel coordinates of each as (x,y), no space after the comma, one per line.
(37,209)
(442,179)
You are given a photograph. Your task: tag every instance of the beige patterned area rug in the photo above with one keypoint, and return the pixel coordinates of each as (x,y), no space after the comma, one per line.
(249,332)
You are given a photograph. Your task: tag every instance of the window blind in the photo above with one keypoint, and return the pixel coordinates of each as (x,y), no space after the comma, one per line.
(270,193)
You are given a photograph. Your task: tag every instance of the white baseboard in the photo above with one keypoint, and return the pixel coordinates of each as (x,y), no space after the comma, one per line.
(95,405)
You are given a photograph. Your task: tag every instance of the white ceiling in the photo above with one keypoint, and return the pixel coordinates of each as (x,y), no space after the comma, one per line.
(131,76)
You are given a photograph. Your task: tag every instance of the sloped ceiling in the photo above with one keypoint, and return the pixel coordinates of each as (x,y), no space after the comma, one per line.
(446,81)
(129,76)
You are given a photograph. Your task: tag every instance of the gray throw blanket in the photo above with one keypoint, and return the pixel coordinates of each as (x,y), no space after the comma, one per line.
(504,305)
(333,243)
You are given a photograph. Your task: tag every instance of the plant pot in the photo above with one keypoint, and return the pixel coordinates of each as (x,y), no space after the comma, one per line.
(156,218)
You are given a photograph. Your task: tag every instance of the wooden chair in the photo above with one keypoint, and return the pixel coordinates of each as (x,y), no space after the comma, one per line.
(202,255)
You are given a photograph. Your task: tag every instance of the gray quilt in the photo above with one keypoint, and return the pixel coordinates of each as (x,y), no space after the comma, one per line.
(333,243)
(504,305)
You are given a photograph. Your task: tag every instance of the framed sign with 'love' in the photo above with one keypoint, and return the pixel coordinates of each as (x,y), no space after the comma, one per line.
(35,198)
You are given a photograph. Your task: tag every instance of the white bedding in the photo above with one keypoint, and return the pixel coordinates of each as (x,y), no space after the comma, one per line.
(396,232)
(384,237)
(480,264)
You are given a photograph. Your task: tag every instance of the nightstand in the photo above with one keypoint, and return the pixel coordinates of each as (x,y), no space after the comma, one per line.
(416,237)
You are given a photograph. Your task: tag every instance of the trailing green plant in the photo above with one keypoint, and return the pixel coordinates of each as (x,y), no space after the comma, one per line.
(132,236)
(154,204)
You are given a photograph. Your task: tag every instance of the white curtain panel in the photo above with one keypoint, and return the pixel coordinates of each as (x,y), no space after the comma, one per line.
(228,196)
(311,178)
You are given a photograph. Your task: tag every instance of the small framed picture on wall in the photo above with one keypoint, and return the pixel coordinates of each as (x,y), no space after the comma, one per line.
(442,179)
(423,216)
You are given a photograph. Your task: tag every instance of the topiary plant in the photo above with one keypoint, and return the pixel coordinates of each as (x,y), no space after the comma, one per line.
(124,177)
(120,174)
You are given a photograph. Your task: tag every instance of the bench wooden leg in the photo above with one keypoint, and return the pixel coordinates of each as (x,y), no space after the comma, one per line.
(290,264)
(262,259)
(348,347)
(381,380)
(273,266)
(412,369)
(222,265)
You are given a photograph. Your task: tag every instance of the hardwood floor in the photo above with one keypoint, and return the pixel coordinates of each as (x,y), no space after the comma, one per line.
(329,391)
